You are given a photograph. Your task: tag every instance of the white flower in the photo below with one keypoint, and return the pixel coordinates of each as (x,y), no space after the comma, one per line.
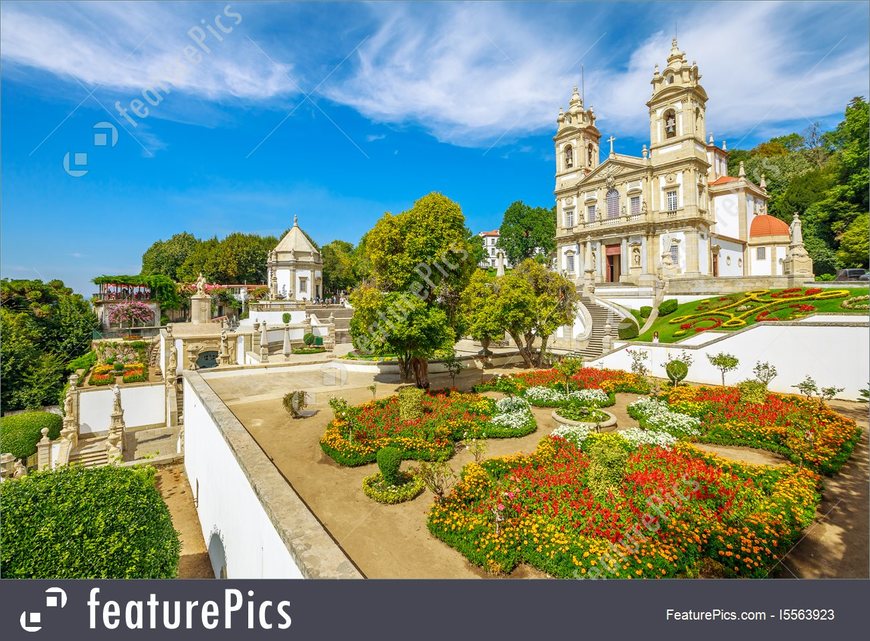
(511,404)
(513,413)
(658,416)
(544,395)
(596,397)
(637,436)
(574,433)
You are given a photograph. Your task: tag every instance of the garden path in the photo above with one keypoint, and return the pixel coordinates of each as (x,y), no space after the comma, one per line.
(175,490)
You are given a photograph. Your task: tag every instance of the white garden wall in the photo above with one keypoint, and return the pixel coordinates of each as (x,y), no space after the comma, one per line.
(142,405)
(833,355)
(226,502)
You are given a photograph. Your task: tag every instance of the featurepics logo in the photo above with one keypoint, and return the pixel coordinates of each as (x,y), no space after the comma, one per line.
(237,610)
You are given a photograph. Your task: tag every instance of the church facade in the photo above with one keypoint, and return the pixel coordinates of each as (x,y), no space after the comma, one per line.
(295,267)
(672,212)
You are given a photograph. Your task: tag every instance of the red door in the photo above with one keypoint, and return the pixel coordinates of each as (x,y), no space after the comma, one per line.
(612,253)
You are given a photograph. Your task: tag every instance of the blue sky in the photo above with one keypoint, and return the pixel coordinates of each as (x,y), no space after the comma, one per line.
(339,112)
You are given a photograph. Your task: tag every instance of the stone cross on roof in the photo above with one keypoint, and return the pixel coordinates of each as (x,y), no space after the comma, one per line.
(610,140)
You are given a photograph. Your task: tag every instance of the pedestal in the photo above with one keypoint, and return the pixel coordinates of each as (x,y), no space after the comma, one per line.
(200,308)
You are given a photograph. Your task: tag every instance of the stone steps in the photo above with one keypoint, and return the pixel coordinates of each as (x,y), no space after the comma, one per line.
(93,455)
(600,317)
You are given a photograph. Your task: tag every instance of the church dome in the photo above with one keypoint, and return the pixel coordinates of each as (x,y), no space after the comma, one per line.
(766,225)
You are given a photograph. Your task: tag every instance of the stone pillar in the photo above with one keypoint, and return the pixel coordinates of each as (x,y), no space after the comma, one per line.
(798,263)
(264,343)
(588,268)
(70,430)
(223,352)
(115,440)
(692,264)
(43,451)
(200,308)
(286,341)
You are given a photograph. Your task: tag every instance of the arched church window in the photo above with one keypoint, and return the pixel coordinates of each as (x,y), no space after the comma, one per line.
(670,124)
(569,157)
(612,203)
(590,154)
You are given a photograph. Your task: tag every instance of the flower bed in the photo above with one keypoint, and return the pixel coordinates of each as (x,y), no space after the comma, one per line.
(672,513)
(582,414)
(806,431)
(653,414)
(447,417)
(609,380)
(135,373)
(102,375)
(553,397)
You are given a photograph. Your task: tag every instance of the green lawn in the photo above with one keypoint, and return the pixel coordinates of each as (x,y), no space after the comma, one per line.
(737,311)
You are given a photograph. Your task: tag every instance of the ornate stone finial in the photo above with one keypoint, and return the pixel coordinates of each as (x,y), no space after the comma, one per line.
(656,70)
(711,139)
(763,183)
(295,220)
(576,100)
(741,172)
(168,330)
(644,152)
(724,145)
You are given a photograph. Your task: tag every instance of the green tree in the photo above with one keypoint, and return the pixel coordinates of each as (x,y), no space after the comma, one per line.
(527,232)
(198,262)
(421,260)
(44,325)
(167,256)
(340,272)
(854,246)
(479,309)
(556,302)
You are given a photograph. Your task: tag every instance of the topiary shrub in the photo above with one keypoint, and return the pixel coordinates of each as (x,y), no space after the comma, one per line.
(308,339)
(87,523)
(627,330)
(645,311)
(318,341)
(285,318)
(752,392)
(668,307)
(19,433)
(608,455)
(410,403)
(676,371)
(389,459)
(294,402)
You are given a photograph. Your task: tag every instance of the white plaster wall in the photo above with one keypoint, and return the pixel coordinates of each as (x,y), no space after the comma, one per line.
(273,318)
(226,502)
(282,274)
(727,221)
(735,252)
(833,356)
(760,267)
(780,257)
(142,405)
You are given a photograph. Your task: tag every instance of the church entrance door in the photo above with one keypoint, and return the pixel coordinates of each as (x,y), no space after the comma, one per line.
(715,264)
(612,253)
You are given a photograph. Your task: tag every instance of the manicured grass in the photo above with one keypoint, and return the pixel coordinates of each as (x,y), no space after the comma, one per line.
(738,311)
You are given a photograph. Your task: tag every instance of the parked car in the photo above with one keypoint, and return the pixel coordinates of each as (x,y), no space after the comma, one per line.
(865,276)
(850,274)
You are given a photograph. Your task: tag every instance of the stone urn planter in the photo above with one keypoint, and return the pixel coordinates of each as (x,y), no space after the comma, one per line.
(604,426)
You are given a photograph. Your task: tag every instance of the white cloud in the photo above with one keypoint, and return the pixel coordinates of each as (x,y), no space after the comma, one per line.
(450,71)
(136,46)
(375,137)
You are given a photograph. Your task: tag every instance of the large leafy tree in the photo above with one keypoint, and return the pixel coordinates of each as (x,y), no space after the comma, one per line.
(340,266)
(479,310)
(167,256)
(823,176)
(533,302)
(527,232)
(420,262)
(44,325)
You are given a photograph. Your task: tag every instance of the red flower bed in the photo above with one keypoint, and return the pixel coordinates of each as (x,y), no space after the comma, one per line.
(671,510)
(804,430)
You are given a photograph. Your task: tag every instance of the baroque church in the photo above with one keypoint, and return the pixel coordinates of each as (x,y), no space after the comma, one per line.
(673,212)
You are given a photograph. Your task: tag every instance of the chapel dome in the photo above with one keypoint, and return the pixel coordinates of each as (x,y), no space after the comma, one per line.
(766,225)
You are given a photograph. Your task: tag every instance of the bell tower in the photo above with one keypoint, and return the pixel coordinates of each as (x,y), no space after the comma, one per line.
(577,139)
(677,108)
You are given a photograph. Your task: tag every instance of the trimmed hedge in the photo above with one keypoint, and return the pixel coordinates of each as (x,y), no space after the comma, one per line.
(627,330)
(645,311)
(79,523)
(668,307)
(19,433)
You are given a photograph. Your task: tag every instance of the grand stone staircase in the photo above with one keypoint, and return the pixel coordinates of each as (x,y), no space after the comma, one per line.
(340,316)
(601,315)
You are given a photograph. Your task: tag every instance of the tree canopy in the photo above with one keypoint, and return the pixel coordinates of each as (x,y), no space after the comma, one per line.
(342,267)
(44,325)
(420,261)
(527,232)
(824,177)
